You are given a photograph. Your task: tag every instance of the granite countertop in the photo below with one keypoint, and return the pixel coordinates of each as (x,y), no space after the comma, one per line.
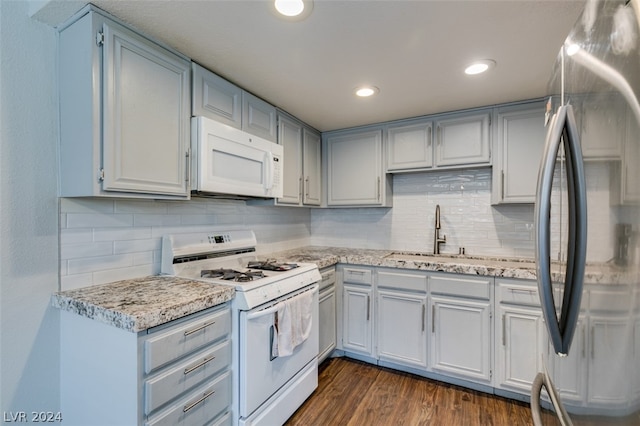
(474,265)
(138,304)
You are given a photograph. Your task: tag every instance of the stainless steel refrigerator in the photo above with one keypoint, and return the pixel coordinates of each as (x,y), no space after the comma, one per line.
(587,227)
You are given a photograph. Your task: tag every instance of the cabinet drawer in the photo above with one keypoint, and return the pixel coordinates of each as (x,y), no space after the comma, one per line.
(478,288)
(519,293)
(356,275)
(199,407)
(400,281)
(609,300)
(184,376)
(328,278)
(185,338)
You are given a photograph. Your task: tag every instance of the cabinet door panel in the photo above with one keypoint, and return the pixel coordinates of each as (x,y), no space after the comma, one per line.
(327,328)
(290,137)
(216,98)
(357,319)
(355,169)
(521,342)
(520,140)
(401,328)
(609,346)
(146,117)
(463,140)
(312,167)
(461,338)
(409,147)
(259,117)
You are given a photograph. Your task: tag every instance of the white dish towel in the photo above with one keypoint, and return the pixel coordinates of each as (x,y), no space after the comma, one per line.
(293,327)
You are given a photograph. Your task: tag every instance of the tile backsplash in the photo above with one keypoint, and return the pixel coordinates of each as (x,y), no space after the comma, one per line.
(104,240)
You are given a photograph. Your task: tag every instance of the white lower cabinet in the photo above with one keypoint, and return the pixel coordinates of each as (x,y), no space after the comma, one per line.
(357,311)
(401,318)
(327,313)
(461,336)
(520,335)
(177,373)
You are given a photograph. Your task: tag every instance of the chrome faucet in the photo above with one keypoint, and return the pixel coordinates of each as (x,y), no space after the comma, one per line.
(436,237)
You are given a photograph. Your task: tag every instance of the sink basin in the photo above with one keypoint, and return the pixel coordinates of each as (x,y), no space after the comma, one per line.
(465,260)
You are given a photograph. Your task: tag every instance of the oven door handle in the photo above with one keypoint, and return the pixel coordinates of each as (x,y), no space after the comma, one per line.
(263,312)
(274,308)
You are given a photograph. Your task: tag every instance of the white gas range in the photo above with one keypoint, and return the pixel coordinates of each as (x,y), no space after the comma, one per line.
(268,386)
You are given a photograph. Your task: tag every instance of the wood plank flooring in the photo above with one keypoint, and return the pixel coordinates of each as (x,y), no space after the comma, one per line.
(354,393)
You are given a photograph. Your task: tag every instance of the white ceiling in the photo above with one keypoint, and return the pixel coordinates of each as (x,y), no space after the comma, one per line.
(414,51)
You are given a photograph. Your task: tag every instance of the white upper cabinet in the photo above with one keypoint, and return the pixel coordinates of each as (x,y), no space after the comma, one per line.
(312,167)
(124,113)
(218,99)
(463,139)
(454,140)
(259,117)
(355,170)
(518,144)
(601,119)
(410,146)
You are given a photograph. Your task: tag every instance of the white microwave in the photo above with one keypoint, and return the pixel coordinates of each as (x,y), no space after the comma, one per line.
(229,161)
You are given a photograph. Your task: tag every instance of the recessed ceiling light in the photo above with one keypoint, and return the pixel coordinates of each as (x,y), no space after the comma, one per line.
(479,67)
(289,7)
(291,10)
(366,91)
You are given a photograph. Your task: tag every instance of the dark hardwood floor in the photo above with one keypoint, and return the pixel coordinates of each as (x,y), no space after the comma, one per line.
(355,393)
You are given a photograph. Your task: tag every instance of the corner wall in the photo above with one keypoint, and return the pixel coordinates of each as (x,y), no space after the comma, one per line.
(29,339)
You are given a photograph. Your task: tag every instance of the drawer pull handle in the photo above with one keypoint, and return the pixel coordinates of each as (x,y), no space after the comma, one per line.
(195,330)
(204,396)
(198,365)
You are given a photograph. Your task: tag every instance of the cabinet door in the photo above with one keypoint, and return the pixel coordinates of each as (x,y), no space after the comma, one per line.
(146,115)
(461,338)
(312,168)
(357,319)
(609,348)
(520,343)
(327,326)
(409,147)
(602,123)
(519,144)
(355,168)
(216,98)
(401,334)
(259,117)
(463,139)
(569,373)
(290,137)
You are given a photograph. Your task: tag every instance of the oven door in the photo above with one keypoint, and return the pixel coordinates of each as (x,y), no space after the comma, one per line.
(230,161)
(262,374)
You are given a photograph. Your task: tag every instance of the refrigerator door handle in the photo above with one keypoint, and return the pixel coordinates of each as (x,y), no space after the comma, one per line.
(562,129)
(543,380)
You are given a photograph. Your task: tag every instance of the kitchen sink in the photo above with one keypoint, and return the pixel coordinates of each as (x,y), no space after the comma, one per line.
(462,259)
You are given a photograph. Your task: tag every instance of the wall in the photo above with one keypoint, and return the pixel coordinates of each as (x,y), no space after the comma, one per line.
(104,240)
(29,360)
(467,217)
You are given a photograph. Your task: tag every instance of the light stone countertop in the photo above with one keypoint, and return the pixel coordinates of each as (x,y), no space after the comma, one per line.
(138,304)
(459,264)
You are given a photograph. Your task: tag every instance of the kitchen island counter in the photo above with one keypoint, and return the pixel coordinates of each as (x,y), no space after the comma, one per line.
(138,304)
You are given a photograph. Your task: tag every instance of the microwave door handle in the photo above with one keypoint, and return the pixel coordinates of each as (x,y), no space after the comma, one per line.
(542,219)
(577,243)
(268,170)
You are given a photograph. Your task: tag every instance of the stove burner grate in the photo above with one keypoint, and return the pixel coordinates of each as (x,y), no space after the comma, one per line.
(231,274)
(271,265)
